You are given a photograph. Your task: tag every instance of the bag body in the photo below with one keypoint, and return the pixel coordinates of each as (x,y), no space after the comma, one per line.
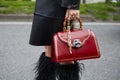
(84,46)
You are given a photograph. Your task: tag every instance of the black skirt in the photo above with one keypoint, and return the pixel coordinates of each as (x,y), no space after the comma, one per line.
(43,29)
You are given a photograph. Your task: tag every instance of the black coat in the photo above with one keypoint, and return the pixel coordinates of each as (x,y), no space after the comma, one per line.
(55,8)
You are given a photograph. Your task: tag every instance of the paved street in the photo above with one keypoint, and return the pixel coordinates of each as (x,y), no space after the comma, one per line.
(17,57)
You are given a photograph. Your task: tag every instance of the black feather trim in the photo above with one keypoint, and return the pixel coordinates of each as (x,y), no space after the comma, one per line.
(45,69)
(70,71)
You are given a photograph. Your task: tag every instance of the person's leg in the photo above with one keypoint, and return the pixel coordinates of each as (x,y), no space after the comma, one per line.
(45,69)
(48,51)
(67,70)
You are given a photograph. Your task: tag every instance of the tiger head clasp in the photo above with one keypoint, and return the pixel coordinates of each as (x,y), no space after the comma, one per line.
(77,43)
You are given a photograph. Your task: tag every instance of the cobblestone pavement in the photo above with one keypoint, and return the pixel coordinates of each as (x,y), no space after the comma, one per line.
(17,57)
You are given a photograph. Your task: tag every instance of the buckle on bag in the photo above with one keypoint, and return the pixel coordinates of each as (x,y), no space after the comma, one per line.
(77,43)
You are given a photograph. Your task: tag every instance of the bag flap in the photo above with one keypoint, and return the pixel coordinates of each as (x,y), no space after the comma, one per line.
(82,35)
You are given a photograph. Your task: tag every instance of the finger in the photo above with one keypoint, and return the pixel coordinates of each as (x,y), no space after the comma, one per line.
(67,14)
(71,15)
(76,15)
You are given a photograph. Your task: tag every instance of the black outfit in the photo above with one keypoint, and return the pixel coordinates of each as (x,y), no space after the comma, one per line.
(48,19)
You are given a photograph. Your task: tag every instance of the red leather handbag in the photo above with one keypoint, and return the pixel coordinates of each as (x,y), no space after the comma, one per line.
(71,45)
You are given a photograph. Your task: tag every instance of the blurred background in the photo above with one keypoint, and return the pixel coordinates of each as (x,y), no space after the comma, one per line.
(18,58)
(105,10)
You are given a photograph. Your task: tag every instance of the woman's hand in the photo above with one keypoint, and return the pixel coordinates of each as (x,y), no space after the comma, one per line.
(72,14)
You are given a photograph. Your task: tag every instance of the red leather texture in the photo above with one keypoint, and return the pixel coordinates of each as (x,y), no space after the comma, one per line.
(89,49)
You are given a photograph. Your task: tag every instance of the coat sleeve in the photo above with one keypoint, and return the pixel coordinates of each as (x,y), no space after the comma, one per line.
(70,4)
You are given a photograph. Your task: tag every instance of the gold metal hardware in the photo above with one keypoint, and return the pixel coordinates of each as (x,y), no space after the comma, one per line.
(69,40)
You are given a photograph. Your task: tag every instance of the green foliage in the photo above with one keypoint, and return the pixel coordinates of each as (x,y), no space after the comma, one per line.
(108,1)
(16,7)
(118,4)
(15,0)
(102,15)
(116,17)
(115,4)
(99,10)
